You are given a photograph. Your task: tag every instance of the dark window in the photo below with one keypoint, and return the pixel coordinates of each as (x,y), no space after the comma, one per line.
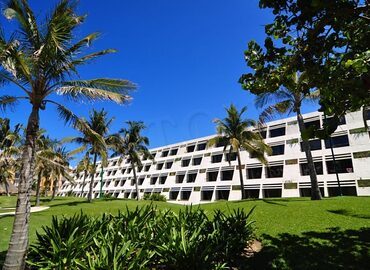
(254,173)
(227,175)
(141,181)
(314,124)
(337,141)
(109,172)
(275,171)
(343,166)
(230,156)
(116,183)
(278,150)
(169,165)
(122,183)
(221,144)
(165,153)
(197,161)
(367,114)
(160,166)
(201,146)
(306,171)
(222,194)
(263,133)
(314,145)
(342,120)
(147,167)
(276,132)
(190,148)
(180,178)
(185,195)
(132,182)
(129,170)
(140,168)
(153,154)
(185,162)
(153,180)
(216,158)
(212,176)
(173,195)
(191,178)
(173,152)
(162,180)
(114,163)
(206,195)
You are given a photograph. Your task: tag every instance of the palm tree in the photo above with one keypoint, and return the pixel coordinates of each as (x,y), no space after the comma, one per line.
(235,134)
(129,143)
(9,152)
(94,143)
(285,101)
(84,166)
(41,59)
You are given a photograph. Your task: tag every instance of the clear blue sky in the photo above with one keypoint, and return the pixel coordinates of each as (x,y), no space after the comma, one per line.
(185,56)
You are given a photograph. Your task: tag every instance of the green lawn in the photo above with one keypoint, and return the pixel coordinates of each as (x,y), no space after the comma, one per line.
(273,217)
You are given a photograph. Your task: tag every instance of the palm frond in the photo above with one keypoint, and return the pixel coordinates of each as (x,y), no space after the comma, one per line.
(7,102)
(283,107)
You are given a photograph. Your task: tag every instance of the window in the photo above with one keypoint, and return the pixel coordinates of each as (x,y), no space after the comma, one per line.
(276,132)
(230,156)
(227,175)
(160,166)
(165,153)
(263,133)
(342,120)
(254,173)
(315,124)
(146,168)
(153,154)
(275,171)
(116,183)
(216,158)
(180,178)
(109,172)
(114,163)
(206,195)
(343,166)
(169,165)
(173,152)
(278,150)
(337,141)
(140,168)
(212,176)
(190,148)
(306,171)
(221,144)
(185,162)
(122,183)
(197,161)
(114,172)
(314,145)
(185,195)
(132,182)
(153,180)
(107,184)
(141,181)
(173,195)
(201,146)
(162,180)
(129,170)
(191,177)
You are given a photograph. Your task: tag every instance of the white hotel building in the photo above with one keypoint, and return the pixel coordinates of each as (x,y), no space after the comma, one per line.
(189,172)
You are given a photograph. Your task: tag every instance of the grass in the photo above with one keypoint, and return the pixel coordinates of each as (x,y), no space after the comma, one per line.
(273,217)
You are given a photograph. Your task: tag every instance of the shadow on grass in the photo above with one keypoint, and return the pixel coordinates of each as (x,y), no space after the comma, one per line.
(2,258)
(333,249)
(345,212)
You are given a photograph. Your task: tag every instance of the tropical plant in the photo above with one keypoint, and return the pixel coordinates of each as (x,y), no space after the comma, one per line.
(129,143)
(287,100)
(9,152)
(40,58)
(235,134)
(155,197)
(95,143)
(84,166)
(144,238)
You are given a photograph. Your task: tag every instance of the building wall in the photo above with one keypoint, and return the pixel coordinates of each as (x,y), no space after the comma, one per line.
(117,178)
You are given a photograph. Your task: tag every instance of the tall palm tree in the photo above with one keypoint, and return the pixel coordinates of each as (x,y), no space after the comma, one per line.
(41,59)
(129,143)
(235,134)
(84,166)
(9,152)
(285,101)
(95,143)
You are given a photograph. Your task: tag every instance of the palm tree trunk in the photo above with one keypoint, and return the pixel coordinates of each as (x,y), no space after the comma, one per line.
(6,184)
(135,179)
(241,175)
(38,185)
(55,188)
(90,197)
(315,191)
(18,244)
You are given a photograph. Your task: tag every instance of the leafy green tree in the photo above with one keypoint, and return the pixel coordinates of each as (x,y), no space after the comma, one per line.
(129,143)
(327,40)
(95,143)
(289,100)
(234,132)
(9,152)
(41,59)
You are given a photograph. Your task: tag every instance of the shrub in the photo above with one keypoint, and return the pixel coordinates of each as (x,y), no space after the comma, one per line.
(154,197)
(143,238)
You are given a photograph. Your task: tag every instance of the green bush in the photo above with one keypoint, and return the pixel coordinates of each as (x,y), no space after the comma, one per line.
(144,238)
(154,197)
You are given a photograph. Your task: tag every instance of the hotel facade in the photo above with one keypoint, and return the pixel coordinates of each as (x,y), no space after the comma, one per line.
(189,172)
